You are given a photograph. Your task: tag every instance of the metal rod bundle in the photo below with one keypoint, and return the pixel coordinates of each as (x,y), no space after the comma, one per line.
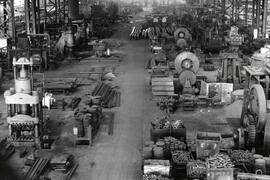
(37,169)
(110,96)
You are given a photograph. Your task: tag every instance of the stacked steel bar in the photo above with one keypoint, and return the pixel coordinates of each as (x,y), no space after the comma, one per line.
(110,96)
(37,169)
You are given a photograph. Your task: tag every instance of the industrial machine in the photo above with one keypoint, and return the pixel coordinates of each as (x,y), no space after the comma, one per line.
(37,46)
(24,106)
(231,69)
(187,65)
(100,48)
(231,62)
(255,122)
(182,37)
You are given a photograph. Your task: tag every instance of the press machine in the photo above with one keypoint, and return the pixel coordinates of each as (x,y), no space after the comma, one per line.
(24,106)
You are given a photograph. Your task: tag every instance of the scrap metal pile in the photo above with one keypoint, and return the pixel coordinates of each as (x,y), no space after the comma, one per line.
(143,31)
(219,161)
(181,157)
(154,177)
(165,123)
(241,157)
(110,96)
(196,169)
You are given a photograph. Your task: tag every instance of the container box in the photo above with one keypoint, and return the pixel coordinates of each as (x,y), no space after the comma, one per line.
(207,144)
(157,134)
(220,174)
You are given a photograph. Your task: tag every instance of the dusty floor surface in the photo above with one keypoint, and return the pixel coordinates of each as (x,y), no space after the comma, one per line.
(119,157)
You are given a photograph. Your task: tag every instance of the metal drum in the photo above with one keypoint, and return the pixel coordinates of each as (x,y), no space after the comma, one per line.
(158,152)
(147,153)
(260,166)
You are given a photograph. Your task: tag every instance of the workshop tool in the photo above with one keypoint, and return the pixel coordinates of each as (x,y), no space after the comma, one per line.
(37,169)
(24,106)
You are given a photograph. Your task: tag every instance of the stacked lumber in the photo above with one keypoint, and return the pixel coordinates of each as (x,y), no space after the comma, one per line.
(162,86)
(37,169)
(110,96)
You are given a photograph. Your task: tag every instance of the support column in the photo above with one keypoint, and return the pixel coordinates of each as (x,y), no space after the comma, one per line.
(246,12)
(45,14)
(73,9)
(258,13)
(265,8)
(34,17)
(253,13)
(27,16)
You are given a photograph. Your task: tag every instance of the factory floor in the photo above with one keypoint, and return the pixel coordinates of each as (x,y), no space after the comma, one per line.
(119,157)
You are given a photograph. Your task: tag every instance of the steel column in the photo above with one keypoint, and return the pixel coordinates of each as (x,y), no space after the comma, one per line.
(258,13)
(34,17)
(27,16)
(265,15)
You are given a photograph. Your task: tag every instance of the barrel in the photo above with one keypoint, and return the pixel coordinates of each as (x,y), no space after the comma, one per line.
(267,163)
(257,156)
(149,143)
(158,152)
(160,143)
(260,166)
(147,153)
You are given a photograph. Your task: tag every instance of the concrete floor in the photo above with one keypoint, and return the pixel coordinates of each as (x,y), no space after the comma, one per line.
(119,157)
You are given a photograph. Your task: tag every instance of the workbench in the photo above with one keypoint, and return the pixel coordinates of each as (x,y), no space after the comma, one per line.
(64,85)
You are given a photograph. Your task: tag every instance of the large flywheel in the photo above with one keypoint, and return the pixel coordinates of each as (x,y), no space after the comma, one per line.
(257,105)
(187,61)
(182,33)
